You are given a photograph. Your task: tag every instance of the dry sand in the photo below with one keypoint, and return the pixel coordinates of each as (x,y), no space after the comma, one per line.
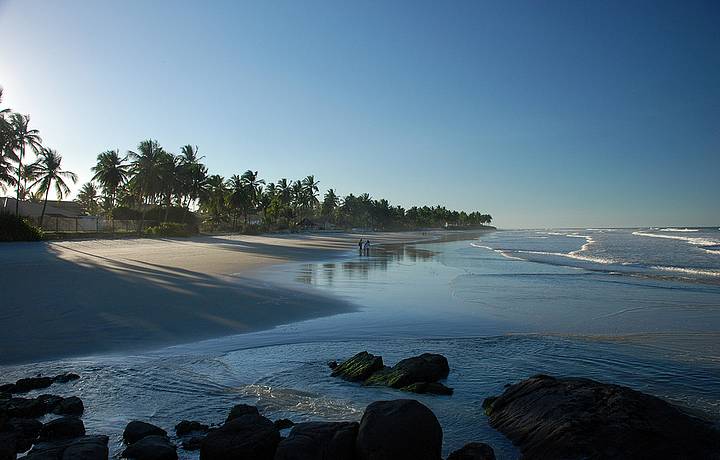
(79,298)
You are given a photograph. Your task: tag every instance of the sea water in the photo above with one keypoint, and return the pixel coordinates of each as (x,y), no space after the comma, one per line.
(638,307)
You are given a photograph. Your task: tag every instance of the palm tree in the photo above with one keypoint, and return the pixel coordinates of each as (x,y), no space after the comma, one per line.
(7,171)
(146,167)
(330,203)
(49,169)
(28,174)
(111,172)
(88,199)
(22,137)
(239,197)
(284,191)
(311,190)
(212,199)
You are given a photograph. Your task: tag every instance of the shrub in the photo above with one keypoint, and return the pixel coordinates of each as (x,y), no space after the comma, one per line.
(170,229)
(18,229)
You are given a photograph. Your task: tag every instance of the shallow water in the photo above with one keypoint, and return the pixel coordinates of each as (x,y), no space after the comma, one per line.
(496,316)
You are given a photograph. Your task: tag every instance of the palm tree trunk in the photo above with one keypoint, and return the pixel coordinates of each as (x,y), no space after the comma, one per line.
(17,198)
(42,215)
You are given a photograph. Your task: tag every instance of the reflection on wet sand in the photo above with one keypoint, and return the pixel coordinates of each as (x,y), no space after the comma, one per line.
(379,259)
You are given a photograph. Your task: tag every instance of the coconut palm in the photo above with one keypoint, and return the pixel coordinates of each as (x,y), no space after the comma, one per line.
(22,137)
(111,172)
(311,190)
(49,169)
(330,203)
(147,166)
(89,198)
(212,199)
(284,191)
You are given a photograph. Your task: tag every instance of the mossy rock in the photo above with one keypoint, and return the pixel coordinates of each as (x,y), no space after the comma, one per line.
(359,367)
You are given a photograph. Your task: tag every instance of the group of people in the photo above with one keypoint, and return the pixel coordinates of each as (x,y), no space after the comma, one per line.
(364,247)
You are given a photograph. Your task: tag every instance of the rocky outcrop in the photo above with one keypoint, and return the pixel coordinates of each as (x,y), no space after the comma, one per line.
(136,430)
(419,374)
(319,441)
(20,433)
(61,429)
(575,418)
(151,447)
(283,423)
(35,383)
(402,429)
(473,451)
(246,434)
(359,368)
(36,407)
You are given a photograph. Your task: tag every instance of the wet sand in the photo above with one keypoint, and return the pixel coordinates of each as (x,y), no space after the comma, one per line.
(80,298)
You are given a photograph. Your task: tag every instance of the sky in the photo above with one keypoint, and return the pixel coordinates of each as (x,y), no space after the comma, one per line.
(543,114)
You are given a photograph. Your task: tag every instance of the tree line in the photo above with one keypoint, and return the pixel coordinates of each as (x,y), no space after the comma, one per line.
(151,180)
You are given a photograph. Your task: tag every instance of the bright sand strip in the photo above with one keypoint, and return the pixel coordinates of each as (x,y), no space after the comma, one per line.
(77,298)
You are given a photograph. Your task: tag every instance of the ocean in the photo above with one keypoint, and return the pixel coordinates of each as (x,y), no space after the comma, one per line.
(638,307)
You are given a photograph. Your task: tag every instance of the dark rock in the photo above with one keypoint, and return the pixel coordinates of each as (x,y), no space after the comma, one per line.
(87,448)
(50,402)
(192,443)
(66,377)
(152,447)
(5,395)
(7,446)
(69,406)
(240,410)
(82,448)
(359,367)
(187,427)
(283,423)
(332,365)
(32,383)
(574,418)
(319,441)
(22,407)
(7,388)
(428,367)
(136,430)
(473,451)
(434,388)
(398,430)
(62,428)
(247,436)
(24,431)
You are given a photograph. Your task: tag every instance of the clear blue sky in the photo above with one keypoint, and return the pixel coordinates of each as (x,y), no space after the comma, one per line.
(568,113)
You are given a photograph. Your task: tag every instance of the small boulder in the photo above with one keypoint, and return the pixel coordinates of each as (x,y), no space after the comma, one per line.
(87,448)
(69,406)
(247,436)
(331,364)
(359,367)
(187,427)
(192,443)
(136,430)
(428,367)
(241,409)
(62,428)
(473,451)
(66,377)
(283,423)
(32,383)
(319,441)
(22,407)
(152,447)
(402,429)
(583,418)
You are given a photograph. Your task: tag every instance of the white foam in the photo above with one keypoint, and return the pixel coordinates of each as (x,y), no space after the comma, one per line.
(671,229)
(694,241)
(690,271)
(499,251)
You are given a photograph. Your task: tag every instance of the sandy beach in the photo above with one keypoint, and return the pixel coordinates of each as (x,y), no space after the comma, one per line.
(78,298)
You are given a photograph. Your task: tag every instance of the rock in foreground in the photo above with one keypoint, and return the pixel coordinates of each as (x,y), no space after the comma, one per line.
(136,430)
(402,429)
(473,451)
(249,435)
(319,441)
(574,418)
(359,368)
(151,447)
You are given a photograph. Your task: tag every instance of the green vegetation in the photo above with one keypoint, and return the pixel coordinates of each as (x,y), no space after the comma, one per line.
(170,229)
(13,228)
(157,187)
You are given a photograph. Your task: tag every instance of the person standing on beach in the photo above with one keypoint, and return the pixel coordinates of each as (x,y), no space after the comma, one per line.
(367,247)
(360,246)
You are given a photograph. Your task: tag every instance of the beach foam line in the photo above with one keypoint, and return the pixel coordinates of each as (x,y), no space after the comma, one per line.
(692,240)
(672,229)
(502,252)
(689,271)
